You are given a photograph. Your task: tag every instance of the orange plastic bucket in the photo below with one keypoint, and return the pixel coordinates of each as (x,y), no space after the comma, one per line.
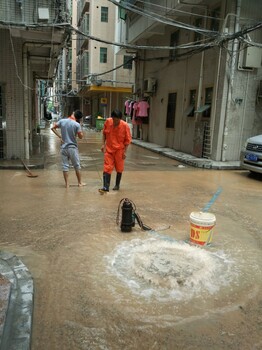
(201,227)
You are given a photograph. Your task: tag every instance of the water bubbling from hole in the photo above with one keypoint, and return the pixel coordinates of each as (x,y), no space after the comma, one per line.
(170,269)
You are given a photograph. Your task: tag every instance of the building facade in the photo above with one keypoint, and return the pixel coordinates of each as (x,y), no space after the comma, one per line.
(32,34)
(198,64)
(103,74)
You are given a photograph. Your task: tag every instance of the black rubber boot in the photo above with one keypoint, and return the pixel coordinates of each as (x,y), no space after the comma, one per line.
(106,183)
(118,179)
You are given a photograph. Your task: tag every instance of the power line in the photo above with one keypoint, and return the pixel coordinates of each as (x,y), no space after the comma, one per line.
(194,47)
(174,10)
(209,42)
(163,19)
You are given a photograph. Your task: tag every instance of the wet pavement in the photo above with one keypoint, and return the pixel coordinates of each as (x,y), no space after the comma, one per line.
(96,287)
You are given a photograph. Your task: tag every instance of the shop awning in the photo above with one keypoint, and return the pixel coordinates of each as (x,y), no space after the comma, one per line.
(203,108)
(189,110)
(93,89)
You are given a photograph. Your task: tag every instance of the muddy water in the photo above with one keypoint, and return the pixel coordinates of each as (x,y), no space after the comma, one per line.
(99,288)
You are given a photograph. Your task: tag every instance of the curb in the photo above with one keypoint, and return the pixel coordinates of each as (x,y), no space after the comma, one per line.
(17,308)
(187,158)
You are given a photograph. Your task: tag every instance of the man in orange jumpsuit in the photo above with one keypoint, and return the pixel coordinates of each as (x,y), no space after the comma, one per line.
(116,138)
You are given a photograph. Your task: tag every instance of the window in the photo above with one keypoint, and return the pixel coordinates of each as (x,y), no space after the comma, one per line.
(190,111)
(85,24)
(215,19)
(206,108)
(173,42)
(70,56)
(208,102)
(122,13)
(171,110)
(85,64)
(103,55)
(128,60)
(104,14)
(198,24)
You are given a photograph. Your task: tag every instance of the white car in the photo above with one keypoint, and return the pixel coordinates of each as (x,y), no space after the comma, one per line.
(251,155)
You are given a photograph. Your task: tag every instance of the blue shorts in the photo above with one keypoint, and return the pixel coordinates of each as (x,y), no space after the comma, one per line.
(70,153)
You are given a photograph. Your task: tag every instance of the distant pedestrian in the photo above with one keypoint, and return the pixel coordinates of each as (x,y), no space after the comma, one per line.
(70,129)
(116,138)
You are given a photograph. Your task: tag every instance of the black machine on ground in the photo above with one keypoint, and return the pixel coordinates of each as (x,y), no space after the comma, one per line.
(129,216)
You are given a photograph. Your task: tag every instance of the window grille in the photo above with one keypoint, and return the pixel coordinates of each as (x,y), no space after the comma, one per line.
(104,14)
(103,55)
(173,42)
(127,62)
(171,110)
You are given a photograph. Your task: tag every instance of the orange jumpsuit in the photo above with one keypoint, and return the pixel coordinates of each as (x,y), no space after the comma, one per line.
(116,139)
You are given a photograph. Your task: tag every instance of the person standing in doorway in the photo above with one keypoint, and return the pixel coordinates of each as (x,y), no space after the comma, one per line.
(116,138)
(70,129)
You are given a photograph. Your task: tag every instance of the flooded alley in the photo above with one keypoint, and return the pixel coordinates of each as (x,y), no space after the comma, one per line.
(96,287)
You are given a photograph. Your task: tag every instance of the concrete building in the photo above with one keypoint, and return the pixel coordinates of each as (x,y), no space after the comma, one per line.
(104,75)
(32,34)
(198,63)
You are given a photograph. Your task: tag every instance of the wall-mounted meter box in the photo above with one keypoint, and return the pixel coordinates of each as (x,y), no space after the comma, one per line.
(252,57)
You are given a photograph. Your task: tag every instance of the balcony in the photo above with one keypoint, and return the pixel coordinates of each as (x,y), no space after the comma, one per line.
(82,9)
(141,26)
(144,28)
(32,24)
(31,12)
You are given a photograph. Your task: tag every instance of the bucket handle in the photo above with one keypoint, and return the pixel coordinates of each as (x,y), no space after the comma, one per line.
(209,236)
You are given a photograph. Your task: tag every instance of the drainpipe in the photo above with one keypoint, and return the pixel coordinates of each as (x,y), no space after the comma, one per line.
(25,59)
(218,155)
(64,69)
(201,72)
(200,82)
(183,109)
(110,104)
(231,81)
(26,103)
(214,107)
(201,69)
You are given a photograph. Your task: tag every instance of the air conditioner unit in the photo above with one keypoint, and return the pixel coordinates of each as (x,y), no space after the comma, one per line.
(149,85)
(43,14)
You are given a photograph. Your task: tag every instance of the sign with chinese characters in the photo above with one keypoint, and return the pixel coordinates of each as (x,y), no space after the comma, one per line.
(103,101)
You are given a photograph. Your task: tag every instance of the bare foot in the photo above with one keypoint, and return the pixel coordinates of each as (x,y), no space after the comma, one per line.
(82,184)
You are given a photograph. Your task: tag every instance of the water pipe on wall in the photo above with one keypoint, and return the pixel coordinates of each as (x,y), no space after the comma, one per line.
(201,68)
(27,88)
(230,82)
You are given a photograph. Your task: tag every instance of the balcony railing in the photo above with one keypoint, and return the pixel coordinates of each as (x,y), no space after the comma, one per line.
(82,9)
(31,12)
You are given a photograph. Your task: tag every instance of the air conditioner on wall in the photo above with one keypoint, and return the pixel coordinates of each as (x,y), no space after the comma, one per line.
(149,85)
(43,14)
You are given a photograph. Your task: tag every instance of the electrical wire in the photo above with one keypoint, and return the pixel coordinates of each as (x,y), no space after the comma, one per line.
(195,47)
(169,10)
(112,70)
(129,46)
(162,19)
(15,63)
(216,41)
